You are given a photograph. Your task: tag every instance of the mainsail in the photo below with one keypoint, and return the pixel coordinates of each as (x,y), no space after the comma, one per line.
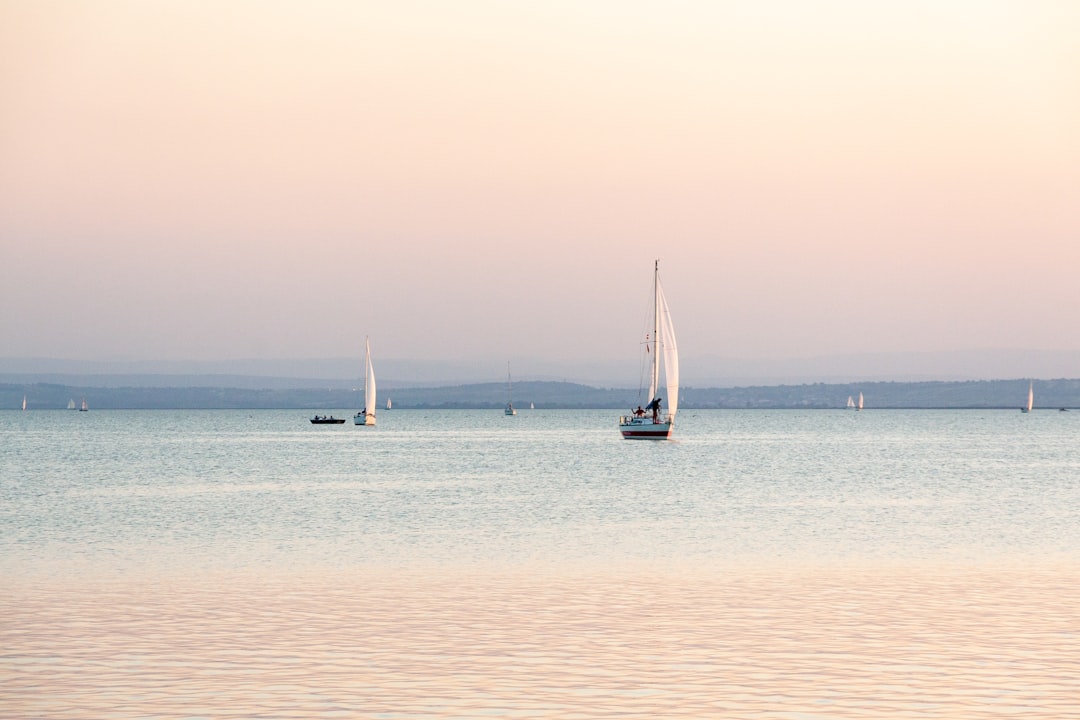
(666,332)
(369,383)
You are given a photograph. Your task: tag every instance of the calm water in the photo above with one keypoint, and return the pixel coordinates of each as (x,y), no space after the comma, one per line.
(768,564)
(156,490)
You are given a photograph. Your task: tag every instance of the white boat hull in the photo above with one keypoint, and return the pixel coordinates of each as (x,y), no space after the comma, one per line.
(635,428)
(361,419)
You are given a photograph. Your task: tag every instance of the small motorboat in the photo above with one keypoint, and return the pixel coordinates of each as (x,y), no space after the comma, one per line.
(327,420)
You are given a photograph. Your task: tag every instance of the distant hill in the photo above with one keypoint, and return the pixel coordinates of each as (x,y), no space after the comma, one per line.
(968,394)
(697,370)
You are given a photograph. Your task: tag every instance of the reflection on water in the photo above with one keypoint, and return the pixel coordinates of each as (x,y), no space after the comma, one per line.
(795,565)
(832,643)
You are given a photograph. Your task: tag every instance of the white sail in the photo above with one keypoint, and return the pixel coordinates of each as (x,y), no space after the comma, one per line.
(369,386)
(71,404)
(23,402)
(1031,396)
(860,401)
(850,402)
(666,333)
(389,405)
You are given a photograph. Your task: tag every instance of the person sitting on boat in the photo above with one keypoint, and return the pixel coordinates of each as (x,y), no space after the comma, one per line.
(639,412)
(655,407)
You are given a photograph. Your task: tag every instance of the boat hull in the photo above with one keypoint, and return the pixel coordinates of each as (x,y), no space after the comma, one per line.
(645,429)
(361,419)
(327,421)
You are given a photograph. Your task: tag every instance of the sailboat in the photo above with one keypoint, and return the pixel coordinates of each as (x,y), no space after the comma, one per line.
(509,393)
(1031,398)
(389,405)
(367,415)
(71,404)
(859,406)
(850,403)
(23,402)
(651,423)
(83,407)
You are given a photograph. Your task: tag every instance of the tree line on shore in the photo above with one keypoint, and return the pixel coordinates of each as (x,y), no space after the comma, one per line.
(1057,393)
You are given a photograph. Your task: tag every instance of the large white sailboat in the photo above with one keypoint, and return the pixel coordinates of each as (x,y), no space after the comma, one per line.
(367,415)
(652,422)
(509,392)
(1031,398)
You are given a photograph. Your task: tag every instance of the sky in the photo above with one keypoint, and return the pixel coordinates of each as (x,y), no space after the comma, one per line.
(490,180)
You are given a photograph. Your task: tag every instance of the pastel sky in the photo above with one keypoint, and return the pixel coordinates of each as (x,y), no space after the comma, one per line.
(260,179)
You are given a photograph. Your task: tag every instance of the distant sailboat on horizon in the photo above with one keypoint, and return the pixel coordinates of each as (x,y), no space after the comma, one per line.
(860,405)
(84,407)
(850,403)
(23,402)
(71,404)
(509,393)
(1030,399)
(389,405)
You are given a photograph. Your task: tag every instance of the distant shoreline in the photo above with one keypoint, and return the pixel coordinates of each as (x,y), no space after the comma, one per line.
(932,395)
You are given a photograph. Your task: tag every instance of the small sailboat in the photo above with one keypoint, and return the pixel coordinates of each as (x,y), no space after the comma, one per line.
(71,404)
(509,393)
(850,403)
(23,402)
(367,415)
(651,423)
(389,405)
(859,406)
(532,406)
(1031,398)
(84,407)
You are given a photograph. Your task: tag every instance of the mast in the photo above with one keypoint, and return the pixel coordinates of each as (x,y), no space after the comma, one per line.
(655,381)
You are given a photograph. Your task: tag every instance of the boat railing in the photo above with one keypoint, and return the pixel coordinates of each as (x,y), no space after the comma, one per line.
(647,419)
